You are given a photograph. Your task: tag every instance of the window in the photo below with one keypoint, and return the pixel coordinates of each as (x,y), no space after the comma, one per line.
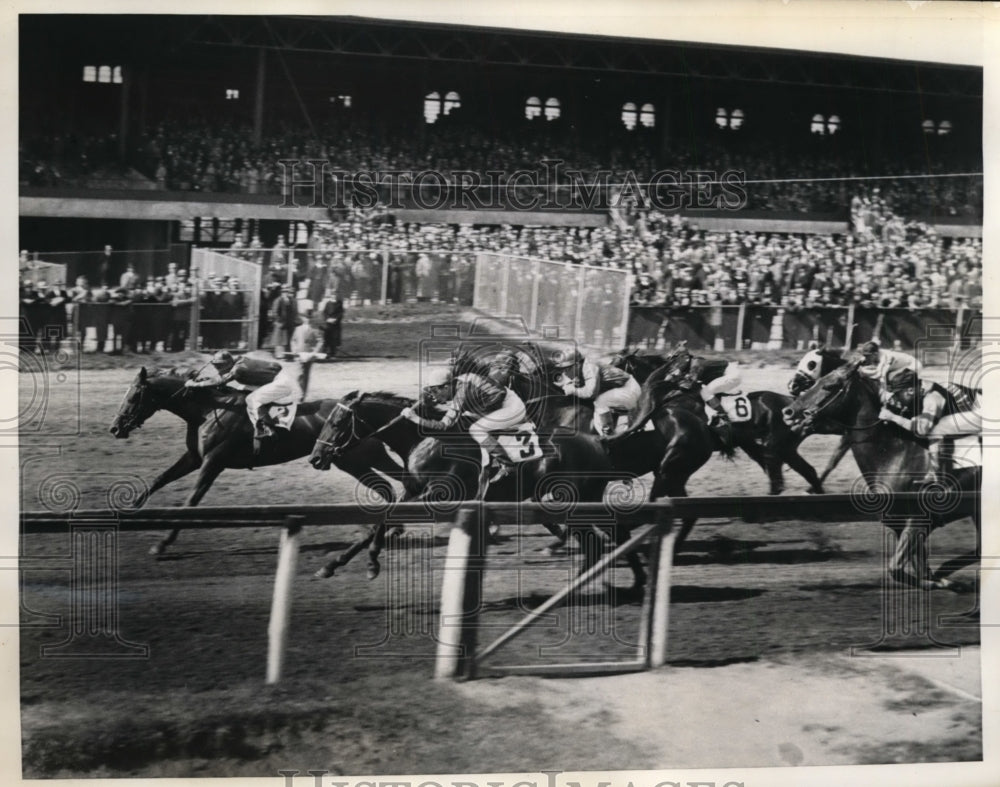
(941,129)
(232,94)
(732,120)
(647,117)
(552,109)
(628,115)
(432,107)
(533,108)
(104,74)
(451,101)
(824,125)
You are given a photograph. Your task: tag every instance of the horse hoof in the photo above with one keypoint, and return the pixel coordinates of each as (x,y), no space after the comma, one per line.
(156,550)
(816,491)
(374,569)
(554,551)
(324,573)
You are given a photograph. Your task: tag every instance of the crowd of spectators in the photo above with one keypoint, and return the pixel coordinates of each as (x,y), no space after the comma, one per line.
(193,155)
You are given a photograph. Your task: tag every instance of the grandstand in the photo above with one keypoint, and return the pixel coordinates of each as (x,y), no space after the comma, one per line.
(344,137)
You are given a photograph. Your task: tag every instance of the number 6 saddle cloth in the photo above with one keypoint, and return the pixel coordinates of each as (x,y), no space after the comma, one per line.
(737,407)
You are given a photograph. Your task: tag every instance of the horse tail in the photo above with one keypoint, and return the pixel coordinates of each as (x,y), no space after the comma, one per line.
(727,442)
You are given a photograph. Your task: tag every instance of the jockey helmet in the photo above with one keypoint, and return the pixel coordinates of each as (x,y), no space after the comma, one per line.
(223,360)
(506,359)
(437,377)
(904,380)
(869,348)
(568,360)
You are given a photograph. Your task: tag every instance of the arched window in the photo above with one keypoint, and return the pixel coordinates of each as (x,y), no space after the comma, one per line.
(944,128)
(818,125)
(90,73)
(104,74)
(928,126)
(116,75)
(552,109)
(628,115)
(648,116)
(432,107)
(533,108)
(833,124)
(729,119)
(232,94)
(824,125)
(451,101)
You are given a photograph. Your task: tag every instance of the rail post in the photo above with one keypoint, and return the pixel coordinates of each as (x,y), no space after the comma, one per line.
(461,591)
(281,602)
(659,619)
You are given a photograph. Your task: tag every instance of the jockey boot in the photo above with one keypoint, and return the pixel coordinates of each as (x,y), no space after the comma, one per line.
(933,463)
(606,423)
(500,460)
(720,418)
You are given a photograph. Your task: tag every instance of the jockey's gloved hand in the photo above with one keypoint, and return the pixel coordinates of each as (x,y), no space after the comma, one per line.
(885,414)
(407,413)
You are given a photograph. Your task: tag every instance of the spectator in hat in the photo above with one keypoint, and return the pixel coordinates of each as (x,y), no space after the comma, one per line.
(284,317)
(332,313)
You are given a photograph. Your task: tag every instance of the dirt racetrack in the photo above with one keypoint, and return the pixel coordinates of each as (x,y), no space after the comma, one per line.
(762,628)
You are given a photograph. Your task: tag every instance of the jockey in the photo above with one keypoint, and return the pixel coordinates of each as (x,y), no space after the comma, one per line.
(494,406)
(949,410)
(713,377)
(267,382)
(885,365)
(608,387)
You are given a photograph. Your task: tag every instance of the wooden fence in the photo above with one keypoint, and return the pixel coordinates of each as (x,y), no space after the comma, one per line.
(466,558)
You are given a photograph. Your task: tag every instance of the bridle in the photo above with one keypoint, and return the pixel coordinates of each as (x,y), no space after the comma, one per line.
(338,448)
(129,420)
(811,414)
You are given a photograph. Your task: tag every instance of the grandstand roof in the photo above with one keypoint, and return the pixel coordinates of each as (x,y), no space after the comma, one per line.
(145,38)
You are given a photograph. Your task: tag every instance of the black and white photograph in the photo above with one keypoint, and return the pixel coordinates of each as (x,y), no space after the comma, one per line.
(535,396)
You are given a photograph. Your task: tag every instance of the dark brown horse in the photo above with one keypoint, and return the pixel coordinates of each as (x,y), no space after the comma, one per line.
(220,437)
(891,459)
(445,467)
(765,437)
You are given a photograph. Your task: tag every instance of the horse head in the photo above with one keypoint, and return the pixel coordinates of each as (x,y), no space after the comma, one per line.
(138,405)
(339,432)
(814,364)
(828,399)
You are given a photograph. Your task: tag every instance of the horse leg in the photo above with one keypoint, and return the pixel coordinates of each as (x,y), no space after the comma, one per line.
(209,472)
(794,460)
(339,561)
(178,469)
(769,463)
(842,448)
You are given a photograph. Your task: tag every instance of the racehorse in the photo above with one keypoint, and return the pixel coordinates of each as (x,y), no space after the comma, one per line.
(446,467)
(890,459)
(765,437)
(220,436)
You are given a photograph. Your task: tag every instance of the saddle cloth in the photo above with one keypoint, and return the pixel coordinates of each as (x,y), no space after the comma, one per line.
(737,407)
(282,414)
(520,444)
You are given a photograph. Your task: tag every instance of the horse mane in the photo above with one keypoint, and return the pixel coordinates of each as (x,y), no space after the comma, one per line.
(388,397)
